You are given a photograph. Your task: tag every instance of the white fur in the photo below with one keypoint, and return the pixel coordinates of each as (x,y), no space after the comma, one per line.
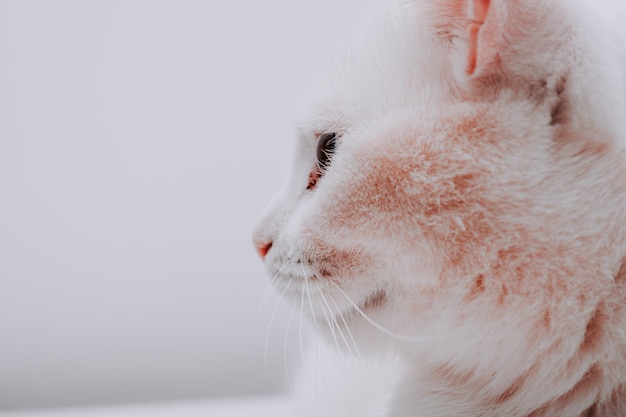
(467,245)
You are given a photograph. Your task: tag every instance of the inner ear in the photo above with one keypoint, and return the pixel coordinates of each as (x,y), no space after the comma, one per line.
(480,34)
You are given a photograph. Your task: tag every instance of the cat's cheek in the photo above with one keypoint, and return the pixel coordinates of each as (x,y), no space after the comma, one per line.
(337,263)
(334,256)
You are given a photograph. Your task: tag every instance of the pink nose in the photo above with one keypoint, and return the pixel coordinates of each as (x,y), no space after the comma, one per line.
(262,248)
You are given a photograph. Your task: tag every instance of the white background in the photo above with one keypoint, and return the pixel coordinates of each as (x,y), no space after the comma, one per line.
(139,142)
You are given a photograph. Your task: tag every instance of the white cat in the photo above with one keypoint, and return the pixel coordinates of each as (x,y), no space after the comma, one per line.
(458,204)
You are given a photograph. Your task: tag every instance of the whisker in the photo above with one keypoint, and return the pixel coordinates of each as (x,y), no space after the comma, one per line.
(343,337)
(356,347)
(448,336)
(308,293)
(301,318)
(293,309)
(269,327)
(330,324)
(372,322)
(268,291)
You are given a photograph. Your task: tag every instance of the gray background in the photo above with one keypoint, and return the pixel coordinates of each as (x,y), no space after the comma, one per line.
(139,142)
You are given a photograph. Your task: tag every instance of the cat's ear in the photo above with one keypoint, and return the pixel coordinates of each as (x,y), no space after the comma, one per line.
(482,35)
(504,40)
(503,35)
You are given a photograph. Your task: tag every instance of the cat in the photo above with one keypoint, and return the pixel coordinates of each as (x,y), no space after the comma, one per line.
(456,214)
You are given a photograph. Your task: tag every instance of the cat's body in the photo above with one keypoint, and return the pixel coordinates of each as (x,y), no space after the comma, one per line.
(473,208)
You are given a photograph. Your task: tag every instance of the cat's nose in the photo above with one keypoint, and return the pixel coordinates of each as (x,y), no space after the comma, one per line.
(262,247)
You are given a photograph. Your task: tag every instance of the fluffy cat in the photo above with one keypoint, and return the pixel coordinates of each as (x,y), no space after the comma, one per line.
(458,204)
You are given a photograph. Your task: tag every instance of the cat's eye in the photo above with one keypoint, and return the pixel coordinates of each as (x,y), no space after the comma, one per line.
(326,144)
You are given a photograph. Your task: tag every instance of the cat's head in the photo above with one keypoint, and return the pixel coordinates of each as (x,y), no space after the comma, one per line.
(448,173)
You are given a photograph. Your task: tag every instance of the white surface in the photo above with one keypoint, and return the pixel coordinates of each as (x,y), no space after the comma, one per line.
(244,407)
(139,142)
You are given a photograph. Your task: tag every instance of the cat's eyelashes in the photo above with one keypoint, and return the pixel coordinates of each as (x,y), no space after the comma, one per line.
(325,148)
(324,151)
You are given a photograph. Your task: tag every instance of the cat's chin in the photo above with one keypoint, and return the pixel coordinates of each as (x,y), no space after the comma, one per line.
(356,320)
(351,310)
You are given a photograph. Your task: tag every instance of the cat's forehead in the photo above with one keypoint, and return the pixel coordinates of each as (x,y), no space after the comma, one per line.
(395,66)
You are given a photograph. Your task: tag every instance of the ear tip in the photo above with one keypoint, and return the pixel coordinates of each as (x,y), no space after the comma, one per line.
(479,9)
